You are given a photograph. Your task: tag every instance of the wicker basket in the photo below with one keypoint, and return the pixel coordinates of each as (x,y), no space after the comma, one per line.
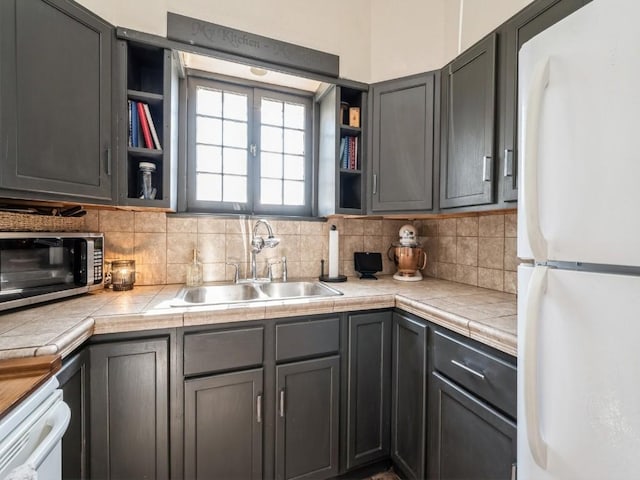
(23,222)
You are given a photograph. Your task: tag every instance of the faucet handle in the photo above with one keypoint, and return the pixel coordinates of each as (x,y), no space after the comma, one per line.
(270,268)
(236,276)
(284,268)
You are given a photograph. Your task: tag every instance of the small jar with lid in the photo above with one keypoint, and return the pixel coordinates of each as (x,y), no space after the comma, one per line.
(146,174)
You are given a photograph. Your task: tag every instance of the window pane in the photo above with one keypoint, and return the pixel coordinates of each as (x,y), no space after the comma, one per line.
(293,167)
(208,187)
(271,112)
(209,102)
(235,134)
(235,161)
(293,193)
(270,192)
(271,165)
(235,188)
(235,106)
(208,159)
(208,130)
(271,139)
(294,142)
(294,116)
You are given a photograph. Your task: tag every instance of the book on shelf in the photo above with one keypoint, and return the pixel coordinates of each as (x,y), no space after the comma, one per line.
(152,127)
(144,126)
(134,123)
(142,129)
(129,140)
(349,153)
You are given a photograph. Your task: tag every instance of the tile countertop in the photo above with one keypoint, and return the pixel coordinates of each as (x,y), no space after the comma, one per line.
(58,328)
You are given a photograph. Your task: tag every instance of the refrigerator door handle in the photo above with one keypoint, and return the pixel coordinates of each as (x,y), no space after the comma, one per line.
(537,288)
(540,81)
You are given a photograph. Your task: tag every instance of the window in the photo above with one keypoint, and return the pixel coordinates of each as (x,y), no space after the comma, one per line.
(249,149)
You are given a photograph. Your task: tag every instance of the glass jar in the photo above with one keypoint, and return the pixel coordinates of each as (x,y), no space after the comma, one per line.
(146,171)
(123,274)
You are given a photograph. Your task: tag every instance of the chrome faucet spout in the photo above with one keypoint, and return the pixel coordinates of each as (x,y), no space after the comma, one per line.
(258,243)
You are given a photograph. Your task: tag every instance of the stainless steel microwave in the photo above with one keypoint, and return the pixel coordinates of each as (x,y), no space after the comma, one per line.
(37,266)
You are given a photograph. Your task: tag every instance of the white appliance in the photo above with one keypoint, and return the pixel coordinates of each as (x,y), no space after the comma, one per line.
(31,433)
(578,221)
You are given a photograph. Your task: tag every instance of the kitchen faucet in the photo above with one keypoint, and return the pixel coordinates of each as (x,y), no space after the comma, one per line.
(258,243)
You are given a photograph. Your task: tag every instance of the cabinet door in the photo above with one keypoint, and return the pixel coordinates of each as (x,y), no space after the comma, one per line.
(55,94)
(130,409)
(74,382)
(409,396)
(469,440)
(307,419)
(467,127)
(368,388)
(402,144)
(529,22)
(223,426)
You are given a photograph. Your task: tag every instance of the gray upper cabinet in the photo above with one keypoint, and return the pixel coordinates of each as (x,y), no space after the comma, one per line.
(529,22)
(467,127)
(342,157)
(402,146)
(55,102)
(146,75)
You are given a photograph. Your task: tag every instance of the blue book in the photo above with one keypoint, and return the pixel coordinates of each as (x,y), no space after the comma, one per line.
(134,123)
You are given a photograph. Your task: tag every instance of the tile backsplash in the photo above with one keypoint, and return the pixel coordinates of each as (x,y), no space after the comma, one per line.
(478,249)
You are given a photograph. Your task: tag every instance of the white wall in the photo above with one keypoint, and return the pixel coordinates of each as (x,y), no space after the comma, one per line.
(481,16)
(413,36)
(375,39)
(337,27)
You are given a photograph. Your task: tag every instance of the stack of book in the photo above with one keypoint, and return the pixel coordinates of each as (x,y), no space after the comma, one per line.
(142,130)
(349,153)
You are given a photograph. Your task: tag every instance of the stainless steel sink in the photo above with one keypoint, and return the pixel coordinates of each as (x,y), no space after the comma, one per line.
(251,292)
(219,294)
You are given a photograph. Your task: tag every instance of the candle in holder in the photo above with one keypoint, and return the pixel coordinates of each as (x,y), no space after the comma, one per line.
(123,274)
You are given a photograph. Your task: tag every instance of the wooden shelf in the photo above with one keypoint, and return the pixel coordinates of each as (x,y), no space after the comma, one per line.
(351,171)
(347,130)
(145,152)
(151,98)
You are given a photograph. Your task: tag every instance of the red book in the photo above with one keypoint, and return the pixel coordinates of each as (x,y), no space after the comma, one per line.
(148,141)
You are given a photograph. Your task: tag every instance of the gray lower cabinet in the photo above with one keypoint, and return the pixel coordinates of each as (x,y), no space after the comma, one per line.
(402,145)
(74,382)
(467,127)
(55,102)
(307,419)
(129,409)
(472,410)
(409,402)
(368,388)
(471,440)
(223,421)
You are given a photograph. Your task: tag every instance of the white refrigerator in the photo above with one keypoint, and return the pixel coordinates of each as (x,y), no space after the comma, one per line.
(579,232)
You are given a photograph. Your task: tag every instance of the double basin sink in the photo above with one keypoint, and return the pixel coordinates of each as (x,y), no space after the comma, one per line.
(251,292)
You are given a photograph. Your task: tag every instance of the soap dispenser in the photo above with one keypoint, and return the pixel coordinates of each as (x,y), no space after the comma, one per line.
(194,271)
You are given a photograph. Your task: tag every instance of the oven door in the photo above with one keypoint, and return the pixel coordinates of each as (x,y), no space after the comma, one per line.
(30,437)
